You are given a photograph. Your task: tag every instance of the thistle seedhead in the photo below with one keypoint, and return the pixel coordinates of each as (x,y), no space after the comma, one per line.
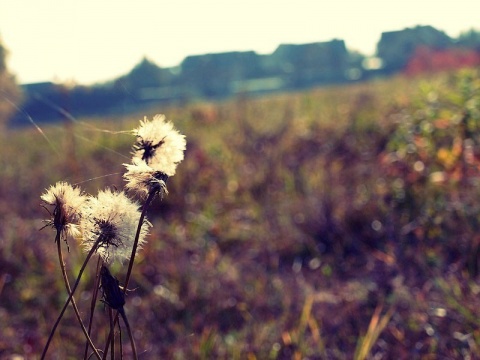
(112,218)
(64,203)
(159,145)
(143,180)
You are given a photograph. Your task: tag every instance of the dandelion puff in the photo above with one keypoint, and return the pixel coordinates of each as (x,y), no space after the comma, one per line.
(143,180)
(159,144)
(110,220)
(64,203)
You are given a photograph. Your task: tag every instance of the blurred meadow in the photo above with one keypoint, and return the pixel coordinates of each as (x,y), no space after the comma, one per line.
(333,223)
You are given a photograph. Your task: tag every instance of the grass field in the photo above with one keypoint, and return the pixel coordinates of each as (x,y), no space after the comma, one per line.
(336,223)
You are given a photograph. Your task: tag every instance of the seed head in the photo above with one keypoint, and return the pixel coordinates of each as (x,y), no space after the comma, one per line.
(112,219)
(64,203)
(159,145)
(143,179)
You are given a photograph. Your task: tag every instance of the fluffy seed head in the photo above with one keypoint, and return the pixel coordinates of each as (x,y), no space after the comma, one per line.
(112,218)
(143,179)
(64,202)
(159,144)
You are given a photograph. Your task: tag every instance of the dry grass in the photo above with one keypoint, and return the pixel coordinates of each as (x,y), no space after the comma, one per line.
(285,233)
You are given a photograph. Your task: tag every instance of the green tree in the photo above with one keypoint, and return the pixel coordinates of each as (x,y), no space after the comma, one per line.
(396,47)
(9,90)
(469,39)
(146,74)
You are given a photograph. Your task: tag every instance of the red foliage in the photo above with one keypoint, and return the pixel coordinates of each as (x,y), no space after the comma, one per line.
(427,60)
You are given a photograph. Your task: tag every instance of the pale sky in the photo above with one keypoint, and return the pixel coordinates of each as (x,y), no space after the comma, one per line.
(89,41)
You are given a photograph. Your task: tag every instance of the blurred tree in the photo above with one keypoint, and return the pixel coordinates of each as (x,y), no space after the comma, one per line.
(469,39)
(315,63)
(146,74)
(216,74)
(396,47)
(426,60)
(9,90)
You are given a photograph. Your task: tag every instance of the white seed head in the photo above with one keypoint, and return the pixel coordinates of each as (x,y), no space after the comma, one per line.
(112,218)
(159,144)
(142,179)
(64,202)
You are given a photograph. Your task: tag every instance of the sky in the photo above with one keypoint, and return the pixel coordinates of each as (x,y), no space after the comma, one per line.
(88,41)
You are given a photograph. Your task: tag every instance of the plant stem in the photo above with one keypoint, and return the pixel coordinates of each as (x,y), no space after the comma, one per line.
(112,328)
(130,334)
(67,286)
(52,332)
(92,304)
(150,197)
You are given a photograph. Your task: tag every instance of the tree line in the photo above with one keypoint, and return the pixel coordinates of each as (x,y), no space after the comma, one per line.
(221,75)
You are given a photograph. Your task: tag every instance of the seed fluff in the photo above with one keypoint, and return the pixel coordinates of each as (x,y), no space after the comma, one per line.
(159,144)
(112,218)
(142,179)
(64,203)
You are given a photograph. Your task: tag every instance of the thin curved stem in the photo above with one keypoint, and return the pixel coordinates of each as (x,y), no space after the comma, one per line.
(112,326)
(92,304)
(110,336)
(52,332)
(67,286)
(150,197)
(130,334)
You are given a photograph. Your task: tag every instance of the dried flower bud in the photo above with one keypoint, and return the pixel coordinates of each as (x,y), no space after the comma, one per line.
(113,295)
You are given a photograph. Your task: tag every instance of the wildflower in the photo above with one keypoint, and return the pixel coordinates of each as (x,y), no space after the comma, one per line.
(159,144)
(143,179)
(64,202)
(110,222)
